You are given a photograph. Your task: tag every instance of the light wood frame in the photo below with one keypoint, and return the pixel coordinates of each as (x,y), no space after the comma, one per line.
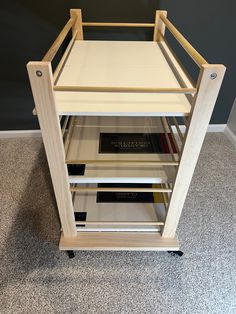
(202,96)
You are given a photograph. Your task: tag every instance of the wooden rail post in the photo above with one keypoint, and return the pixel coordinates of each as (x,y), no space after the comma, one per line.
(159,26)
(209,82)
(77,15)
(41,80)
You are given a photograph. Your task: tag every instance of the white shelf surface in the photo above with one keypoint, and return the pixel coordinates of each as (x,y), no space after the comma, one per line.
(127,212)
(84,145)
(119,64)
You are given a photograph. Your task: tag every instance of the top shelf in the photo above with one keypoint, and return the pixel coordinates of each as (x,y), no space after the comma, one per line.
(117,64)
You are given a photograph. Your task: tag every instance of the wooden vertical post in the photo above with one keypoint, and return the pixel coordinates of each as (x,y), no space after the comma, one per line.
(77,15)
(41,79)
(209,83)
(159,26)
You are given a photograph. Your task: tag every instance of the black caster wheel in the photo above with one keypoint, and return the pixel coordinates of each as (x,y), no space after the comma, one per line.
(173,253)
(71,254)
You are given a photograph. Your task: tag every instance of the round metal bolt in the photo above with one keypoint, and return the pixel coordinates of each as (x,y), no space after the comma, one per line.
(213,76)
(39,73)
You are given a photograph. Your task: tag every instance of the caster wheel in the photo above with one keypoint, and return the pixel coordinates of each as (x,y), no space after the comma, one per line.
(179,253)
(71,254)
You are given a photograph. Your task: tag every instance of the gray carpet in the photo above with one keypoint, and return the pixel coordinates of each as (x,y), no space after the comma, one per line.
(37,278)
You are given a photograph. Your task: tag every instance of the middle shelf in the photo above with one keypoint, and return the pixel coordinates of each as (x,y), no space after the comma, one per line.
(121,149)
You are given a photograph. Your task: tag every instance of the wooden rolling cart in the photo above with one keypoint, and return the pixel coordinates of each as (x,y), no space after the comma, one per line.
(123,94)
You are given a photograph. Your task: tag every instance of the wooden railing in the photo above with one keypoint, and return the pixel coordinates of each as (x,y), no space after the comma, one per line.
(101,24)
(115,89)
(192,52)
(198,59)
(59,40)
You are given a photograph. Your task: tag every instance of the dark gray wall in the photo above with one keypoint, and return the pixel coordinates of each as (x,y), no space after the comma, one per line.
(211,28)
(27,29)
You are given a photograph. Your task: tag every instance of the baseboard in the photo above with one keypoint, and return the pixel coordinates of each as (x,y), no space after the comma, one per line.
(216,128)
(20,133)
(211,128)
(230,135)
(37,133)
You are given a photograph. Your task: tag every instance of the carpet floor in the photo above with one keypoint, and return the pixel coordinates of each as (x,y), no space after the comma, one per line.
(37,278)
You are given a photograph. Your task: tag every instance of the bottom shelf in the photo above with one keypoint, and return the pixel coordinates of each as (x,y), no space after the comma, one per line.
(118,241)
(144,209)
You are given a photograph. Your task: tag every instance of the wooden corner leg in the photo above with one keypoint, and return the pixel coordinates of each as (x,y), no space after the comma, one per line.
(77,15)
(209,83)
(159,26)
(41,80)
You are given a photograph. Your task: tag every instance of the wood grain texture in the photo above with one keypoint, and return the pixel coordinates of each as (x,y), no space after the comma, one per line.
(159,28)
(76,15)
(57,43)
(102,24)
(118,241)
(120,161)
(121,223)
(69,134)
(64,57)
(194,136)
(192,52)
(51,132)
(176,124)
(181,73)
(174,157)
(100,189)
(176,144)
(63,129)
(124,89)
(91,63)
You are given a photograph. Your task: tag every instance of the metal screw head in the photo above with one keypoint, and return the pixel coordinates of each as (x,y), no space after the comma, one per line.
(213,76)
(39,73)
